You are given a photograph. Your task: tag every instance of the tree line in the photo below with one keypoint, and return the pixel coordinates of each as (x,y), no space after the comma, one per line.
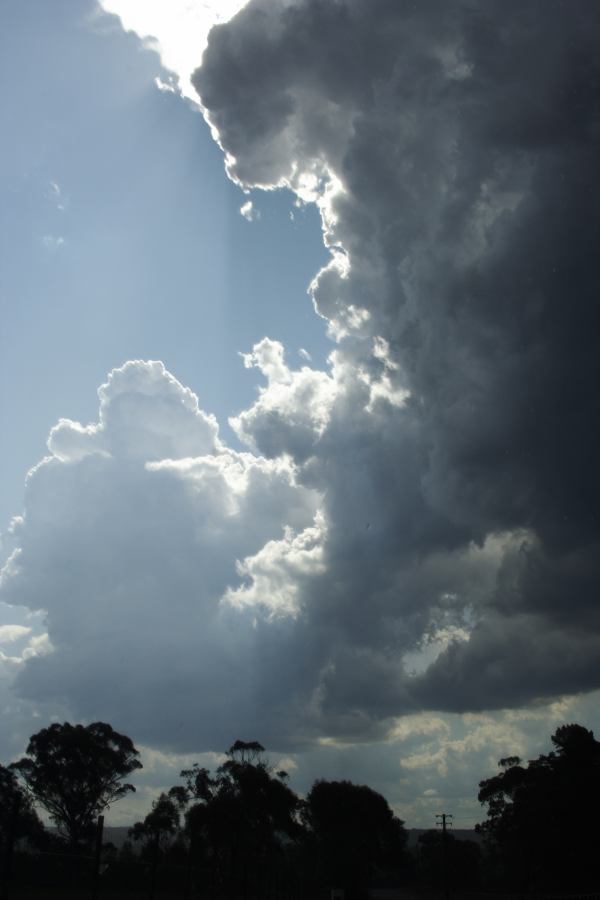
(242,829)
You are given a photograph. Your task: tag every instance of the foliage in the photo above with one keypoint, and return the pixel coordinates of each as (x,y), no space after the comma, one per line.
(161,823)
(14,802)
(457,862)
(242,818)
(74,772)
(354,834)
(541,817)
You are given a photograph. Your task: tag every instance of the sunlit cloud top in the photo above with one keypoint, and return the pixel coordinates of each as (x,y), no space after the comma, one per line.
(178,29)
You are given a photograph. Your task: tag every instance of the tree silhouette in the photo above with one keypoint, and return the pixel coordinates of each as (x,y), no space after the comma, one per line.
(541,822)
(445,860)
(74,772)
(246,752)
(161,823)
(354,834)
(242,817)
(14,801)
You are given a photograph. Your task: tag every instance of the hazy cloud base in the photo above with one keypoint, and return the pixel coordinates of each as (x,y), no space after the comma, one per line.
(415,528)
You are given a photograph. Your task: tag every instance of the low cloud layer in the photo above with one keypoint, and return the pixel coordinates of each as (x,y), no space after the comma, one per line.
(131,538)
(416,527)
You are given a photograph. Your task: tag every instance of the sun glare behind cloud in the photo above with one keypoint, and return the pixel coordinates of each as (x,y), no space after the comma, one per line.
(178,29)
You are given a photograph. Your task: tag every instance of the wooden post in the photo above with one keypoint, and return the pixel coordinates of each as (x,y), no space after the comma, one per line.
(97,856)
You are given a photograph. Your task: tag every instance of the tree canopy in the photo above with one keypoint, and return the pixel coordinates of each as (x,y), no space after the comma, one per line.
(16,810)
(75,771)
(161,824)
(243,816)
(245,799)
(542,817)
(354,832)
(443,860)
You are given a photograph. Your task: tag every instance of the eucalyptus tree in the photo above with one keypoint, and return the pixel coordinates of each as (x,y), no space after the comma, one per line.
(244,817)
(542,816)
(75,772)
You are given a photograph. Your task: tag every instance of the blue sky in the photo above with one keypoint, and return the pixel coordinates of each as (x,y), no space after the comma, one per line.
(121,236)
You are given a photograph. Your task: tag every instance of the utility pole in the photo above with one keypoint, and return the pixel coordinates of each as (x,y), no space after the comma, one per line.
(442,819)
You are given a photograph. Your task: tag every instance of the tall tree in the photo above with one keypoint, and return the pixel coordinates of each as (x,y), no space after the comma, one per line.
(243,816)
(542,817)
(75,772)
(354,834)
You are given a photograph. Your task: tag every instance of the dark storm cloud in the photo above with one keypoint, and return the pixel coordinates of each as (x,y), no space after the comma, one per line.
(465,139)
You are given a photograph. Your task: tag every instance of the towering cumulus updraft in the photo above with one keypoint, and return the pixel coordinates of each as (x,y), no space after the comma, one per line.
(415,528)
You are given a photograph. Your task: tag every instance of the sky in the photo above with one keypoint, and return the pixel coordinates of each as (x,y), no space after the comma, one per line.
(298,384)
